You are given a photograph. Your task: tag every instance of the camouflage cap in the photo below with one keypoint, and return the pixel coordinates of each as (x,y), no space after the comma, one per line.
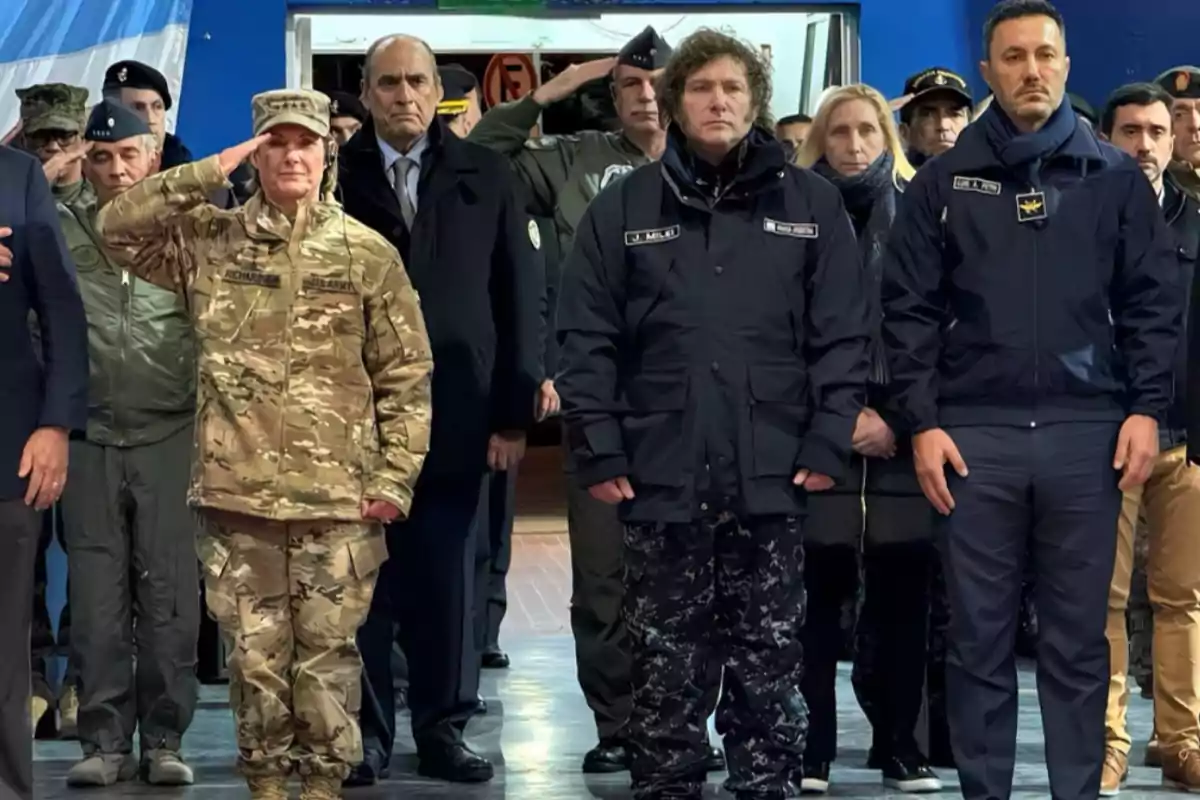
(53,107)
(302,107)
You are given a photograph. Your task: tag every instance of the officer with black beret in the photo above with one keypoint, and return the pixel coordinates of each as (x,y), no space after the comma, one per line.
(347,114)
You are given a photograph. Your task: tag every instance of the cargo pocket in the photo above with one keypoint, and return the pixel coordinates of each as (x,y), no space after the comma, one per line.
(220,592)
(367,555)
(652,430)
(778,416)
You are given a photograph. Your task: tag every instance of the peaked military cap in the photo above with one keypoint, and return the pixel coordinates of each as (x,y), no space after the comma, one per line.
(136,75)
(937,80)
(344,104)
(53,107)
(647,50)
(1182,83)
(457,83)
(112,122)
(302,107)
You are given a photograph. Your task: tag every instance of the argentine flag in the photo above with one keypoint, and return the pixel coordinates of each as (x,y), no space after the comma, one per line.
(74,42)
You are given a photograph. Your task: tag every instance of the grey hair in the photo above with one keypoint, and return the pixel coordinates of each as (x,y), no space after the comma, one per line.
(392,38)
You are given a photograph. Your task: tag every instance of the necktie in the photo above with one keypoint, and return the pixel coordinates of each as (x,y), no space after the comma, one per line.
(400,171)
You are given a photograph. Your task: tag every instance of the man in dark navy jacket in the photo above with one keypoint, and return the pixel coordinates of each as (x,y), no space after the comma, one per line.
(714,361)
(453,210)
(1032,308)
(39,407)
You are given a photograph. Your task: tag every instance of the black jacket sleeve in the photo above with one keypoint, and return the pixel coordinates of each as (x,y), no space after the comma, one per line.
(1147,301)
(590,331)
(913,303)
(836,339)
(516,291)
(59,309)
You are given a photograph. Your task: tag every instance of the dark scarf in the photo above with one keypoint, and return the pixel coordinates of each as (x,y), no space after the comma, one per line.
(1024,153)
(870,199)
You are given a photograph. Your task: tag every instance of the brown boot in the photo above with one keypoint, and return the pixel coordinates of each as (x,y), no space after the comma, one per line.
(268,787)
(1154,756)
(1116,769)
(320,787)
(1182,770)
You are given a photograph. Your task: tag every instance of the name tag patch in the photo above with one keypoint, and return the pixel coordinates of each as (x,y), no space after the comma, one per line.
(651,236)
(339,285)
(251,278)
(797,230)
(965,184)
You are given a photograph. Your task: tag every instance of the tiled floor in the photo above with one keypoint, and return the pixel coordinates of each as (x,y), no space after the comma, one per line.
(539,728)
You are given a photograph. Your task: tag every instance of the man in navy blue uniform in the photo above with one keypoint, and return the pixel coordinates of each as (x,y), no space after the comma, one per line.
(1032,309)
(41,402)
(714,361)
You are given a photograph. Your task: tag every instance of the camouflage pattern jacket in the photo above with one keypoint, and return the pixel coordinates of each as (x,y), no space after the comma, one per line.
(142,376)
(314,363)
(563,173)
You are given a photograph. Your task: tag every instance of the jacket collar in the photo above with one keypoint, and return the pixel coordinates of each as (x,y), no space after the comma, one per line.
(1175,199)
(265,222)
(441,146)
(756,163)
(973,152)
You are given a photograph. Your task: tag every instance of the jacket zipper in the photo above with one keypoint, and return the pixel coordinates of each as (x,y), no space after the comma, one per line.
(126,304)
(1037,345)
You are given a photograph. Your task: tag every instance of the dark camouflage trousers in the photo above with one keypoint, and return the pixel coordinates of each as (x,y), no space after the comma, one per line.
(726,590)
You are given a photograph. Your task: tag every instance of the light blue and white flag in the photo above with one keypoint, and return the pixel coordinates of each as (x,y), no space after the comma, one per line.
(75,41)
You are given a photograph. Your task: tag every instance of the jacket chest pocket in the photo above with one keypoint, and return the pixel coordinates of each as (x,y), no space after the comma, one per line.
(227,309)
(330,309)
(778,417)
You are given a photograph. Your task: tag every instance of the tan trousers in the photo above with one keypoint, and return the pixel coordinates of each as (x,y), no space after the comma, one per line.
(1171,503)
(290,597)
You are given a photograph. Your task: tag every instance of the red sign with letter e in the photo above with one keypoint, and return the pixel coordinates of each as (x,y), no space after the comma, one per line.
(509,76)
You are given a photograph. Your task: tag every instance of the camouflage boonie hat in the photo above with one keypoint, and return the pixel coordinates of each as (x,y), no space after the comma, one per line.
(302,107)
(53,107)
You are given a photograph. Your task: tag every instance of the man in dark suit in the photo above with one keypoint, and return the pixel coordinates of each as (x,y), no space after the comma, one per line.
(39,407)
(452,210)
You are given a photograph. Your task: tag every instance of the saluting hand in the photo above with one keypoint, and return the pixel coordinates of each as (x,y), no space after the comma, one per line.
(932,451)
(232,157)
(60,161)
(567,82)
(612,492)
(6,256)
(1137,447)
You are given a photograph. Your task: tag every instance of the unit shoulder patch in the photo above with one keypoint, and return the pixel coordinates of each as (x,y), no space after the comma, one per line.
(963,183)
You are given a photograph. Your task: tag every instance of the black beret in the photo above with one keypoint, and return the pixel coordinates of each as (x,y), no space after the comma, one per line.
(1182,83)
(112,122)
(647,50)
(136,75)
(344,104)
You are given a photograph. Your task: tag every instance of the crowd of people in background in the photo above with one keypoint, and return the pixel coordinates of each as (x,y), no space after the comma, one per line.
(904,382)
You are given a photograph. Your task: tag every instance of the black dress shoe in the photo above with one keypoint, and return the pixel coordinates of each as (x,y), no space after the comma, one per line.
(610,755)
(372,770)
(495,659)
(715,760)
(455,763)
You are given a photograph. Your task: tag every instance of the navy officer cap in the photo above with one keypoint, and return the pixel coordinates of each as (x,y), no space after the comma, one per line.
(136,75)
(344,104)
(1182,83)
(112,122)
(457,81)
(647,50)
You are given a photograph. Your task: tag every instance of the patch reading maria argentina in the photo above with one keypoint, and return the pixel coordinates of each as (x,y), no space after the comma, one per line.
(340,285)
(797,230)
(965,184)
(251,278)
(651,236)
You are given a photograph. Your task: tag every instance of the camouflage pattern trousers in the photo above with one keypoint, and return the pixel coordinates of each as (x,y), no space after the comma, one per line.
(289,598)
(726,590)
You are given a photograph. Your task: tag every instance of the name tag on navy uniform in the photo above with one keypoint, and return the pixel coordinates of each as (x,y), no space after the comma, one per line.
(651,236)
(797,230)
(1031,206)
(963,183)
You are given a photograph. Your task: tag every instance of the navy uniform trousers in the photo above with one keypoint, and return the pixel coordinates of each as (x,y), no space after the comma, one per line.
(426,587)
(1049,494)
(723,590)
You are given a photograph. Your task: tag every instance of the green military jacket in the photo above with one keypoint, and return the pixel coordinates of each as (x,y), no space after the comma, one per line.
(142,386)
(564,173)
(1187,177)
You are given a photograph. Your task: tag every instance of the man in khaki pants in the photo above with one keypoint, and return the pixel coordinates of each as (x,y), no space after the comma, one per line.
(1138,120)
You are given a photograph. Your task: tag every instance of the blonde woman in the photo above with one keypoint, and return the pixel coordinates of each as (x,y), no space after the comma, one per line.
(854,144)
